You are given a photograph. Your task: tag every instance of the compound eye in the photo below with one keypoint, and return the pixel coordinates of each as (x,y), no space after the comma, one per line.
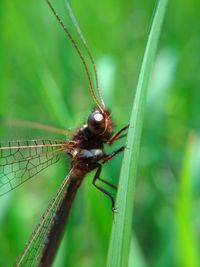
(96,122)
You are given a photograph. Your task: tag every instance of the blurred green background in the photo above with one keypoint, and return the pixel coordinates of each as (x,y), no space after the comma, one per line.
(42,80)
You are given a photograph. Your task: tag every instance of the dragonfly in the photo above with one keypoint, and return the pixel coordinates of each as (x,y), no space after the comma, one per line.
(21,160)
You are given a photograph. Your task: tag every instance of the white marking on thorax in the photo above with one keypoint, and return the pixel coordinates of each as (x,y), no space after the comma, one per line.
(91,153)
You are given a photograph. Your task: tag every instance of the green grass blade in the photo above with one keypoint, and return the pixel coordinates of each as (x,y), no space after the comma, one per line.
(121,232)
(185,233)
(135,256)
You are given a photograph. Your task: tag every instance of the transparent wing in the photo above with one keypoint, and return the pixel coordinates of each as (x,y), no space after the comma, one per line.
(21,160)
(32,251)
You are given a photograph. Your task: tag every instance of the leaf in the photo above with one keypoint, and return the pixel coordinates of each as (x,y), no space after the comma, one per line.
(119,248)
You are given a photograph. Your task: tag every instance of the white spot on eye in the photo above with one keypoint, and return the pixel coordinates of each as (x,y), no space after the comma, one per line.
(98,117)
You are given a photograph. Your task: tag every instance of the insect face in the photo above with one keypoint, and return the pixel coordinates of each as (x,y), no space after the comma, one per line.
(99,123)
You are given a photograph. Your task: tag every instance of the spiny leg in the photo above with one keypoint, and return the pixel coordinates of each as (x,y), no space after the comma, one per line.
(113,154)
(96,177)
(107,183)
(117,135)
(99,167)
(106,159)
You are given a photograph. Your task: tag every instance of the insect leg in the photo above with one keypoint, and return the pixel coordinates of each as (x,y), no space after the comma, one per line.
(110,156)
(117,135)
(107,183)
(99,167)
(107,158)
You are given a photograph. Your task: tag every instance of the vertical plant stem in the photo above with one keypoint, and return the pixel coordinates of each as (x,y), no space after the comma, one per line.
(121,231)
